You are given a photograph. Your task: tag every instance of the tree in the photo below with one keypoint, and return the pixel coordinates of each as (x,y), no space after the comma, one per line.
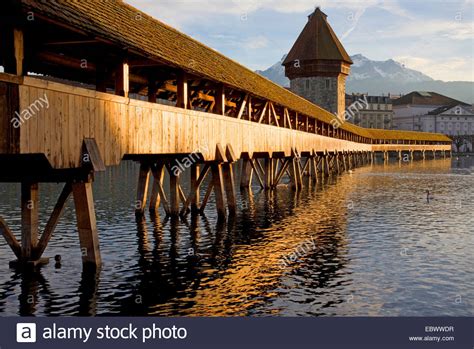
(458,142)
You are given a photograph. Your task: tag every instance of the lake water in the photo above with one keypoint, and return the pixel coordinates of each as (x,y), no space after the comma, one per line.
(362,244)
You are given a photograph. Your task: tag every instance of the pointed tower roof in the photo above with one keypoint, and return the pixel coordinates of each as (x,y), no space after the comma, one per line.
(317,41)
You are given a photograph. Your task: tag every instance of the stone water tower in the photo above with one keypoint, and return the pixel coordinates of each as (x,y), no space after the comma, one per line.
(318,65)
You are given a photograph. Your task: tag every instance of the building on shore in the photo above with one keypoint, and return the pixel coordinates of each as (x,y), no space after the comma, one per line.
(433,112)
(410,112)
(369,111)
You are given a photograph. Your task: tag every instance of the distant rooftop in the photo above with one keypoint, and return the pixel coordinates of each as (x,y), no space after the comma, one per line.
(370,99)
(426,98)
(444,108)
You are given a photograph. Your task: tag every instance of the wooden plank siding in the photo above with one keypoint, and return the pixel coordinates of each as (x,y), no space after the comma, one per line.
(123,126)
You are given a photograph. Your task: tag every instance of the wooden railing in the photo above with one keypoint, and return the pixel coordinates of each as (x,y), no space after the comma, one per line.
(123,126)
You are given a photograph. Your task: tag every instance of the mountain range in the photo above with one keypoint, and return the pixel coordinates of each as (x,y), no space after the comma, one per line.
(384,77)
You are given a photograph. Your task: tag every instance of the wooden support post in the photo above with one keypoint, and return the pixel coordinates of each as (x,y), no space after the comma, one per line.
(142,188)
(220,100)
(229,186)
(314,168)
(326,164)
(269,173)
(19,47)
(195,197)
(250,108)
(182,90)
(152,88)
(174,192)
(242,106)
(344,161)
(293,173)
(218,186)
(122,85)
(29,219)
(86,223)
(337,164)
(158,176)
(246,174)
(299,176)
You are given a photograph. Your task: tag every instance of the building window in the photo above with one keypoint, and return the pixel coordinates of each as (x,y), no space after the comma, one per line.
(307,84)
(328,83)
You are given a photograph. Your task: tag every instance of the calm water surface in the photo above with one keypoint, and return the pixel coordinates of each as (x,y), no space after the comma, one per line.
(366,243)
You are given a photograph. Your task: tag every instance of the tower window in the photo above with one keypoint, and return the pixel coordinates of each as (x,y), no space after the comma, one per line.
(307,84)
(328,83)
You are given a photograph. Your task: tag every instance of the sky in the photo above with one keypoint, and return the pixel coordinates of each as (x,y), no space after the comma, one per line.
(435,37)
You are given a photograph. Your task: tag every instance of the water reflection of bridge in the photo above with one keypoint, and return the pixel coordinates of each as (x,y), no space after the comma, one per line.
(190,266)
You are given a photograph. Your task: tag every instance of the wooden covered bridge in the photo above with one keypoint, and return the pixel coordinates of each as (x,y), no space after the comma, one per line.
(87,84)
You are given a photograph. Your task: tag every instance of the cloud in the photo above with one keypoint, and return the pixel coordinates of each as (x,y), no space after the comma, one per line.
(455,30)
(255,42)
(446,68)
(193,10)
(355,18)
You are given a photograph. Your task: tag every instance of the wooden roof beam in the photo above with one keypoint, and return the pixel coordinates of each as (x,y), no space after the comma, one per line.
(77,64)
(74,42)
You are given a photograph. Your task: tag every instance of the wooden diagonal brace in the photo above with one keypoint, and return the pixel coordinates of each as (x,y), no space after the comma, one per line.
(53,221)
(196,186)
(158,182)
(10,238)
(260,181)
(282,172)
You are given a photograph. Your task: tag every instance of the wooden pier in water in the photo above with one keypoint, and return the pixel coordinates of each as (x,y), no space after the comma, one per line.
(87,85)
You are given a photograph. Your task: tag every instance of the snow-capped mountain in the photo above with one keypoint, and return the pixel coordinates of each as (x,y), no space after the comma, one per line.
(383,77)
(364,68)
